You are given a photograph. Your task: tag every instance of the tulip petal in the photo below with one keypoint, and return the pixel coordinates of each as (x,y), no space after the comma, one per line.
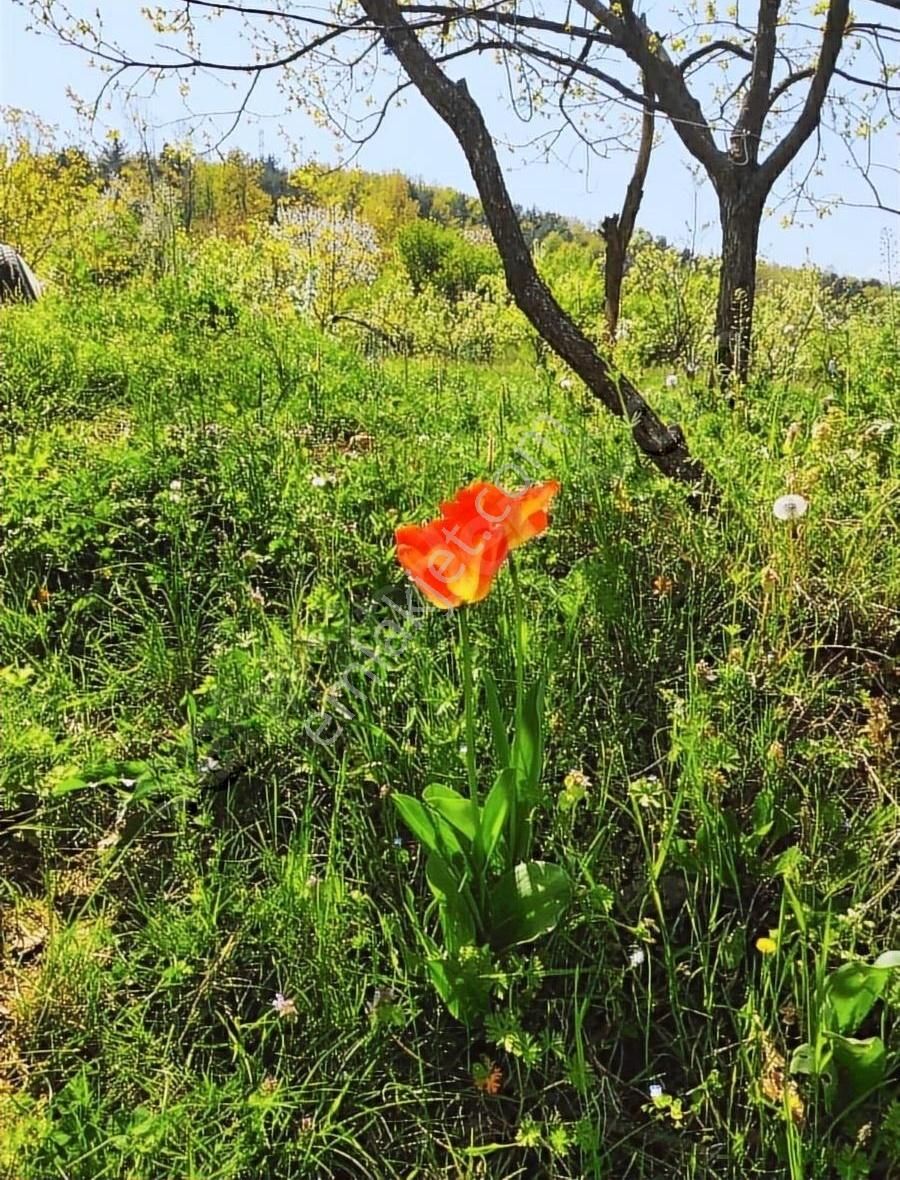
(454,559)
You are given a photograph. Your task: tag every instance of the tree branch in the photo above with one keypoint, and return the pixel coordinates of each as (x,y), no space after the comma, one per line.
(747,132)
(714,47)
(832,39)
(635,191)
(646,50)
(664,446)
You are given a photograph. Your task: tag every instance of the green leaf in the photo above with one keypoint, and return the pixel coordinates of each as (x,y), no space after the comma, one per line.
(498,725)
(863,1062)
(418,821)
(462,813)
(528,744)
(853,989)
(495,810)
(428,827)
(527,902)
(463,985)
(454,898)
(527,756)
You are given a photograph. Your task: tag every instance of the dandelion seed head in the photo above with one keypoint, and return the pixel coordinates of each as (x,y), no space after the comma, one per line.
(790,507)
(636,957)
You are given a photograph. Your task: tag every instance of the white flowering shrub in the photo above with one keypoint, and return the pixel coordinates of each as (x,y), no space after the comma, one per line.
(327,254)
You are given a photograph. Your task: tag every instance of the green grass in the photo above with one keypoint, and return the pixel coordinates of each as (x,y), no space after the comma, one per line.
(178,599)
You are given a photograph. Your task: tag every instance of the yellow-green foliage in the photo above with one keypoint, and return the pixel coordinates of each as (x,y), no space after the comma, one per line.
(47,195)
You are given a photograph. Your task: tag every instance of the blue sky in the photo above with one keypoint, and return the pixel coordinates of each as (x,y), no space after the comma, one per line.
(36,74)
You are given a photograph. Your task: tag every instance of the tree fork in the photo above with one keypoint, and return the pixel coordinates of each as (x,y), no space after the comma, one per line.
(618,229)
(665,446)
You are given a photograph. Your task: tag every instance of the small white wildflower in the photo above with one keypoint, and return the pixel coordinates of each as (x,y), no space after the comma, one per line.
(283,1006)
(565,382)
(636,957)
(671,380)
(789,329)
(318,481)
(790,507)
(208,765)
(127,783)
(175,485)
(656,1091)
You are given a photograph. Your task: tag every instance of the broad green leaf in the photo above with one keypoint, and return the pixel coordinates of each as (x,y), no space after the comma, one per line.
(428,827)
(853,989)
(494,813)
(528,743)
(527,756)
(863,1062)
(527,902)
(463,985)
(462,813)
(418,821)
(498,725)
(454,900)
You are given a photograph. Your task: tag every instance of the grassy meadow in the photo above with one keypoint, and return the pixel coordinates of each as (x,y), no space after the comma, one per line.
(214,678)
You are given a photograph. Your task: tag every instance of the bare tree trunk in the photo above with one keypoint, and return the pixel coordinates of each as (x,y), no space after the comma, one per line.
(665,446)
(613,272)
(741,209)
(618,229)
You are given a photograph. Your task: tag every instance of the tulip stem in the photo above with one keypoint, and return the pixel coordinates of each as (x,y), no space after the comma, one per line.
(469,700)
(520,636)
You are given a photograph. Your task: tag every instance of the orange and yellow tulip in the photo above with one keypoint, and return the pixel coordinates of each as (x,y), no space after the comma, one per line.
(453,560)
(522,515)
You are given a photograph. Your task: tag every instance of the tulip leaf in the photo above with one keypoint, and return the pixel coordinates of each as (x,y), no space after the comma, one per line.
(852,989)
(528,744)
(462,813)
(494,813)
(419,822)
(527,756)
(527,902)
(463,983)
(454,901)
(498,725)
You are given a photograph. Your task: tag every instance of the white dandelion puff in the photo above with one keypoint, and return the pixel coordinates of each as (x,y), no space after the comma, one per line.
(790,507)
